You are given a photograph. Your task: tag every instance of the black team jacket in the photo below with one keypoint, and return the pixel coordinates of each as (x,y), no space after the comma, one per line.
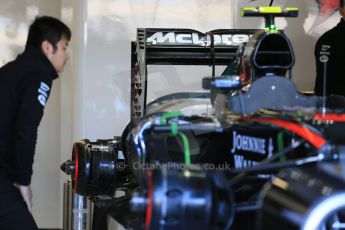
(331,45)
(25,85)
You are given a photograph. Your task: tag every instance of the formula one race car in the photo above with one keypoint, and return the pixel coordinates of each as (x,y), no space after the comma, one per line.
(267,156)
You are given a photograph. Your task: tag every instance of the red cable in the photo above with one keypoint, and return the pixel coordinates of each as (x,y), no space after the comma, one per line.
(330,117)
(312,137)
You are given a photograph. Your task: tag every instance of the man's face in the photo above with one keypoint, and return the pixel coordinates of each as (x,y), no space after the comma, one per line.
(59,56)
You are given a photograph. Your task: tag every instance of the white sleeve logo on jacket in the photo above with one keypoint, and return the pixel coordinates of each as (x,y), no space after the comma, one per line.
(43,93)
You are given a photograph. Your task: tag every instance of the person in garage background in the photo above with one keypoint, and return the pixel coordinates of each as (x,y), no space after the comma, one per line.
(25,85)
(330,49)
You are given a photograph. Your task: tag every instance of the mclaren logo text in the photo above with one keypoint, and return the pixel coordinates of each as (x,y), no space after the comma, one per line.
(196,39)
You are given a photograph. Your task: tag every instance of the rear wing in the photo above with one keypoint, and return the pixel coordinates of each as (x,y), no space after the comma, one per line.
(158,46)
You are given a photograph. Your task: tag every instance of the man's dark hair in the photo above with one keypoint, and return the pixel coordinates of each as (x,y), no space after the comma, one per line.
(49,29)
(341,3)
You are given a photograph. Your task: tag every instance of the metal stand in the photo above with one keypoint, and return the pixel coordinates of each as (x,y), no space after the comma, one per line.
(76,210)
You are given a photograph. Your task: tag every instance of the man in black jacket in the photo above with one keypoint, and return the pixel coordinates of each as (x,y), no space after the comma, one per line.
(330,58)
(25,85)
